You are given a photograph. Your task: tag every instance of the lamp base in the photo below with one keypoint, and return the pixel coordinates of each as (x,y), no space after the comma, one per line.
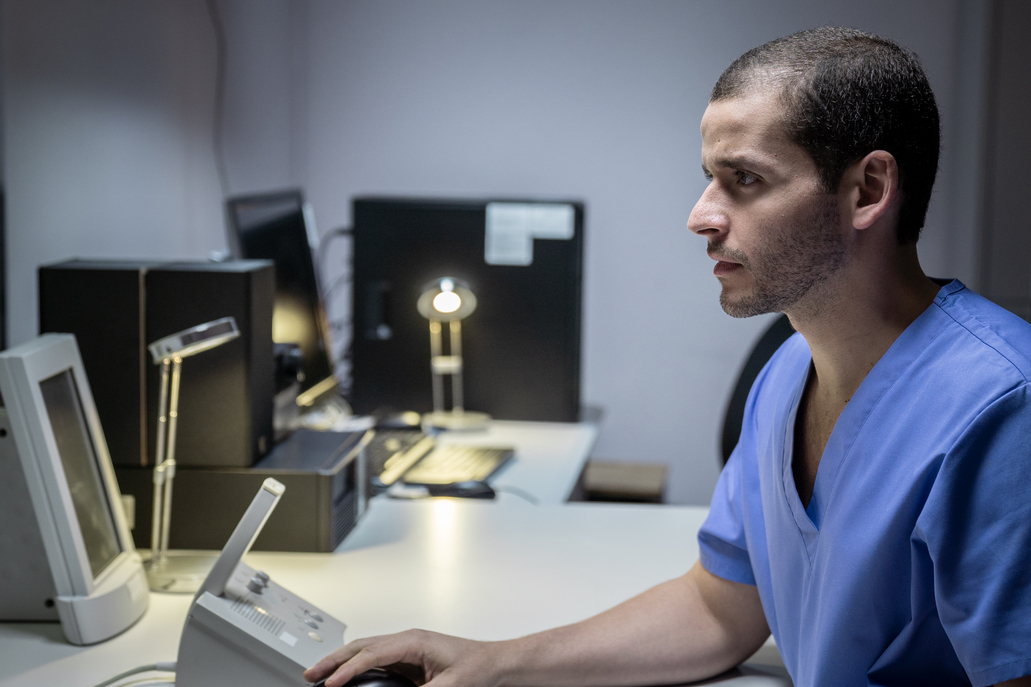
(463,420)
(179,572)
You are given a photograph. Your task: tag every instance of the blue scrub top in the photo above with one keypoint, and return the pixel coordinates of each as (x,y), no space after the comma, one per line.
(912,563)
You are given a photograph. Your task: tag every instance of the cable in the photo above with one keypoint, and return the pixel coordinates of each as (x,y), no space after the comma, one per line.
(516,491)
(324,243)
(163,667)
(220,96)
(340,325)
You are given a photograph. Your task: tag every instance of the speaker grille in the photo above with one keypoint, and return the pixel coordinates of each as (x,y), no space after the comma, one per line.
(345,517)
(261,618)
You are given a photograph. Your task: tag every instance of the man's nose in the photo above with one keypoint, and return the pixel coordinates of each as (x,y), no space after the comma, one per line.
(708,217)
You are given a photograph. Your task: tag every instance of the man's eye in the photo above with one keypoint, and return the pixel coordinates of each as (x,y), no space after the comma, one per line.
(746,179)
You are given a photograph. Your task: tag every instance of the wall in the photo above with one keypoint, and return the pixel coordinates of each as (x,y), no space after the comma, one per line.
(107,117)
(107,137)
(1006,236)
(108,129)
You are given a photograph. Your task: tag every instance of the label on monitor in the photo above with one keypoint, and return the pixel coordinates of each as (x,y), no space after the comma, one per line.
(512,227)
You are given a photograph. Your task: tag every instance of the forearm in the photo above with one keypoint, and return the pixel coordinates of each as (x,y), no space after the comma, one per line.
(685,629)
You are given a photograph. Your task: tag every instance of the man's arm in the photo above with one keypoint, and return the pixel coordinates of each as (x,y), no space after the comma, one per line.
(689,628)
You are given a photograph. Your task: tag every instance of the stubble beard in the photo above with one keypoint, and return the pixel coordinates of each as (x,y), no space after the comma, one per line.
(789,264)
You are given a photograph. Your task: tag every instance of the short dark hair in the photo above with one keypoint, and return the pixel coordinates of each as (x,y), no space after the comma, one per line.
(848,93)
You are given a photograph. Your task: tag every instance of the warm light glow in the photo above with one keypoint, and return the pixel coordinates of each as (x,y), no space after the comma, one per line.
(290,321)
(447,301)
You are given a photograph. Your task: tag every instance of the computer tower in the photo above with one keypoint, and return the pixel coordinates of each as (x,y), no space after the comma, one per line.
(115,308)
(326,494)
(521,346)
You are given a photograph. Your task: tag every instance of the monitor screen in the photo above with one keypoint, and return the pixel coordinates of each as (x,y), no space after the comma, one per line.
(272,227)
(79,459)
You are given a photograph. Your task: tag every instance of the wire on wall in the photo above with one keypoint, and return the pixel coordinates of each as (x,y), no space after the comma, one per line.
(340,327)
(220,96)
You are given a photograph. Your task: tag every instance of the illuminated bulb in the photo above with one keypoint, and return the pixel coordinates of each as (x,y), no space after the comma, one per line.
(447,285)
(447,301)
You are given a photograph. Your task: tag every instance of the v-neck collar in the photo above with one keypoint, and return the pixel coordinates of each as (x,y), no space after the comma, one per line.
(899,356)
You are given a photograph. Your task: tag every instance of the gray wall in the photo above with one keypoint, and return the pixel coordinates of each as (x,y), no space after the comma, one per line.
(107,113)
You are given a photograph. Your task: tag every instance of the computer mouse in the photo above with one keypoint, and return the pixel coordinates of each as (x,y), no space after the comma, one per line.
(375,678)
(463,490)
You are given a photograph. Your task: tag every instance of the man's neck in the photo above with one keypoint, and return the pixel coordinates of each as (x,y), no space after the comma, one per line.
(855,321)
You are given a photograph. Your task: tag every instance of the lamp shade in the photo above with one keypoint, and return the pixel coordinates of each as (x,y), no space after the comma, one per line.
(446,299)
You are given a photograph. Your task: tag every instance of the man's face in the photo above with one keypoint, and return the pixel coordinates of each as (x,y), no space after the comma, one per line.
(773,230)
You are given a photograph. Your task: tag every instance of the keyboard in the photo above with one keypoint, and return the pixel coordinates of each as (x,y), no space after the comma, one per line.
(417,459)
(456,463)
(387,444)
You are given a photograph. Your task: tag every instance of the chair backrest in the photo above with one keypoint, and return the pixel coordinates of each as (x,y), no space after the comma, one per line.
(778,332)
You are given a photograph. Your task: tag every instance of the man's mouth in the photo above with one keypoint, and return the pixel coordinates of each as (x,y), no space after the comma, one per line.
(724,267)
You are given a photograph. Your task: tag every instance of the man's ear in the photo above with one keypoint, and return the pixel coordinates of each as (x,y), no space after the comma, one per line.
(872,185)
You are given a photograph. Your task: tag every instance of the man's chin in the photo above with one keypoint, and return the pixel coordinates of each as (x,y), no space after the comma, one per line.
(745,305)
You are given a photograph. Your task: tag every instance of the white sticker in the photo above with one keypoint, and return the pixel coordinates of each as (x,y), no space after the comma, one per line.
(512,227)
(288,638)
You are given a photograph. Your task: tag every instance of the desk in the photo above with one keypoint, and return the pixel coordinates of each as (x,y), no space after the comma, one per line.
(478,569)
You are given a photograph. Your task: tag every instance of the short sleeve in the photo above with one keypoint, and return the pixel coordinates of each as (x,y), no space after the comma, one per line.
(976,524)
(722,540)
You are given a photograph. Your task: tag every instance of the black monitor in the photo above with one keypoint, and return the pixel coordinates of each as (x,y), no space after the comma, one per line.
(521,346)
(277,226)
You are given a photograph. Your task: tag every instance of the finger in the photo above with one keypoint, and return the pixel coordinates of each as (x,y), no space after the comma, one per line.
(378,655)
(326,665)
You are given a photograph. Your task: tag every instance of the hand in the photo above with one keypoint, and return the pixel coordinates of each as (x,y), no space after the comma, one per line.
(425,657)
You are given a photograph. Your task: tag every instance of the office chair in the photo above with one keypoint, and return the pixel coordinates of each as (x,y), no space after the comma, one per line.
(769,342)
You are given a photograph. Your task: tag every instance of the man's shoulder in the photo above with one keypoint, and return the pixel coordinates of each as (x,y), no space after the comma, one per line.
(986,330)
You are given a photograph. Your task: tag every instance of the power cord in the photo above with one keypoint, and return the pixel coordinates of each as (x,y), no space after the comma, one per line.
(163,667)
(324,244)
(341,326)
(516,491)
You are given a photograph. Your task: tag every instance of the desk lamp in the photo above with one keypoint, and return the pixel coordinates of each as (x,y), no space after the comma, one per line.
(181,573)
(448,300)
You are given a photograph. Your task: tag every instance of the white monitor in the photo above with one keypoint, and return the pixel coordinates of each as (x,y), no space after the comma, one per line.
(65,548)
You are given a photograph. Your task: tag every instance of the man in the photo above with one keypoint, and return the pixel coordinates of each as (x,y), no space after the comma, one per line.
(876,513)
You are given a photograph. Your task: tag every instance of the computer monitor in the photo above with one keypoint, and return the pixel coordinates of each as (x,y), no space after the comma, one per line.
(523,260)
(279,227)
(65,549)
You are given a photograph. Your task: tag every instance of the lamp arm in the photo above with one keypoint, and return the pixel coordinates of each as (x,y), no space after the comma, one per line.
(157,511)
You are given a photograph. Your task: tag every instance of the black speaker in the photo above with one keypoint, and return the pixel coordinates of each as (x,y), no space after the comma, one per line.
(115,308)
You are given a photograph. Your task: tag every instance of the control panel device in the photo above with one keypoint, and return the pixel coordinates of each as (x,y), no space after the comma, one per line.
(244,629)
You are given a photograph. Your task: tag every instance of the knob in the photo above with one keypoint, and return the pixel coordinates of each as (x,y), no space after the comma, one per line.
(262,576)
(255,585)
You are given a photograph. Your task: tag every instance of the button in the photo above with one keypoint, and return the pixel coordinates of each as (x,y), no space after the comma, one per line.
(311,624)
(255,586)
(314,616)
(315,636)
(263,576)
